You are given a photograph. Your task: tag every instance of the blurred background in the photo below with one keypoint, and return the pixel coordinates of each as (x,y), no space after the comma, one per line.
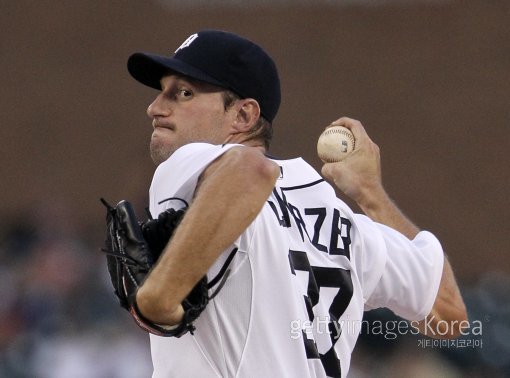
(430,80)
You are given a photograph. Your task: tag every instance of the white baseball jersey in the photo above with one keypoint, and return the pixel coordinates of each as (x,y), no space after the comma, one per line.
(305,270)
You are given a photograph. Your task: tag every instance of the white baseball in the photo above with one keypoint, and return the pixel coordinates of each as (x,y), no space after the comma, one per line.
(335,143)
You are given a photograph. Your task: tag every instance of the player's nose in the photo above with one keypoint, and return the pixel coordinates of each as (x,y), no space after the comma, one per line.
(158,108)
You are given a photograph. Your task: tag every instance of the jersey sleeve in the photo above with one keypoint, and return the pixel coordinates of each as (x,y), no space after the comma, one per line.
(175,180)
(400,274)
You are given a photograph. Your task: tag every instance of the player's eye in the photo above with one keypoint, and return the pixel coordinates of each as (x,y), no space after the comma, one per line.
(185,93)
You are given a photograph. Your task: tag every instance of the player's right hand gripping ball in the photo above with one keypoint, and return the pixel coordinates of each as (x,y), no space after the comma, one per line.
(335,143)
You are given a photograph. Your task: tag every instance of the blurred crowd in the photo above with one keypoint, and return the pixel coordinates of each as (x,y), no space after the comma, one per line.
(59,317)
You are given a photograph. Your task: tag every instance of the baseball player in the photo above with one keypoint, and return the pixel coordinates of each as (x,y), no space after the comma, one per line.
(296,266)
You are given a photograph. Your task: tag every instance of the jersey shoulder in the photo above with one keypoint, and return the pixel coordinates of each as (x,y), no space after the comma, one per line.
(177,177)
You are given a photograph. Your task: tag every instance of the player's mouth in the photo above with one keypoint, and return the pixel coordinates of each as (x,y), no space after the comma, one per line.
(157,124)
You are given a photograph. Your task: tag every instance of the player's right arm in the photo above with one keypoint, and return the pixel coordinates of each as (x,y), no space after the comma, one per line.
(231,192)
(359,177)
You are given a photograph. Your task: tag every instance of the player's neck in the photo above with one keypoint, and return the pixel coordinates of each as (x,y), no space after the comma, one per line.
(243,138)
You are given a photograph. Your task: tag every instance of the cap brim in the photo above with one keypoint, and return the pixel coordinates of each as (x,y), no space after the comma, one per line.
(148,69)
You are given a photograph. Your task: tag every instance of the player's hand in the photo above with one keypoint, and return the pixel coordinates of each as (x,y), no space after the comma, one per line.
(359,174)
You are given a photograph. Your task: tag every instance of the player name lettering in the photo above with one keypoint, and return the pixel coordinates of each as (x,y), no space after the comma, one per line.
(334,225)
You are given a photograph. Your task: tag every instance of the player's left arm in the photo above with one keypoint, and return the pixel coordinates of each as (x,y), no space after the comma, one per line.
(359,177)
(231,192)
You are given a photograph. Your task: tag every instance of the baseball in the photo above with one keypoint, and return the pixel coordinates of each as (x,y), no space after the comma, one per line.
(335,143)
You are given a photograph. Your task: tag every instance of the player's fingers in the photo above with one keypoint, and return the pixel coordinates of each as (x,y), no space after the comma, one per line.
(360,135)
(347,122)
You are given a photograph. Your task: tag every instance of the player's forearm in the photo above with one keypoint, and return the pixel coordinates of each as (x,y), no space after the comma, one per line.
(379,207)
(228,200)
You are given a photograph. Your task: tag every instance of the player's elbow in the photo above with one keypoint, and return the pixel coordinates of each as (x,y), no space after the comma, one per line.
(447,320)
(253,169)
(268,171)
(455,321)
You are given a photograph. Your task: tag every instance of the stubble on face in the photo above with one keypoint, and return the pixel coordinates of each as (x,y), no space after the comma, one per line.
(165,142)
(159,151)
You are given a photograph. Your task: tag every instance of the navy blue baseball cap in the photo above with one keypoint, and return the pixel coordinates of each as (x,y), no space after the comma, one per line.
(219,58)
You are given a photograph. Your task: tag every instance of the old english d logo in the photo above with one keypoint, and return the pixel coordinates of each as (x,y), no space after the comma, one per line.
(187,42)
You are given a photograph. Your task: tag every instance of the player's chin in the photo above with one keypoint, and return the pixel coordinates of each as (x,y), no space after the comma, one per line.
(159,151)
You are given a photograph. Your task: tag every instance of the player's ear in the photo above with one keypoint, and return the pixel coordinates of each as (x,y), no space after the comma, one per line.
(247,114)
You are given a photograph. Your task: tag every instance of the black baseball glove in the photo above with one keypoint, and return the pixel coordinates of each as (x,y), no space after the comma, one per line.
(132,248)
